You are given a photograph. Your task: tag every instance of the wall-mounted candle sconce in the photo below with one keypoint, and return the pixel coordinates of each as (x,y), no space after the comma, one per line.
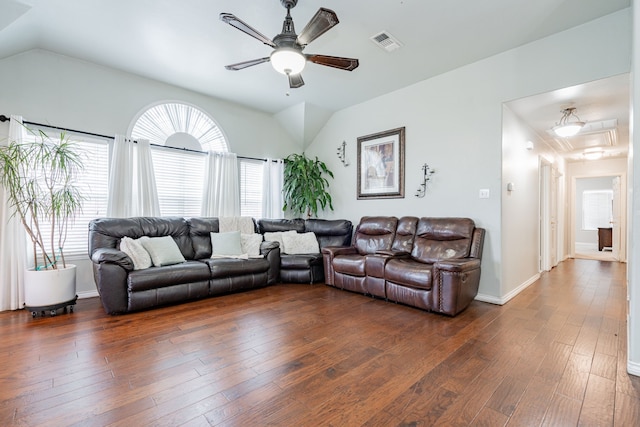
(426,177)
(341,153)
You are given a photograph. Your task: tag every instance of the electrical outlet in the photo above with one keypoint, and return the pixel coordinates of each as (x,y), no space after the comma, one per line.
(484,193)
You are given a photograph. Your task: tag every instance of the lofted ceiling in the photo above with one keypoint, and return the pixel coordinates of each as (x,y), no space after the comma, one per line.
(184,43)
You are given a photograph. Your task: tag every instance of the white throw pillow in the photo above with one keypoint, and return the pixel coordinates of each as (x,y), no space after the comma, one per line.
(250,244)
(303,243)
(138,254)
(276,236)
(226,243)
(163,250)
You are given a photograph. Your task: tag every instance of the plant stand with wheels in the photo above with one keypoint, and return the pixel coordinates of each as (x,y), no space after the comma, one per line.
(52,309)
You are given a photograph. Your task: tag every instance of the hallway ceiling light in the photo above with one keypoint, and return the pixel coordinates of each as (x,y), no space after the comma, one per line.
(569,124)
(593,154)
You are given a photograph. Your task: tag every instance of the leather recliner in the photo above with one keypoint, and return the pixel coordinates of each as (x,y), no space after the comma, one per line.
(429,263)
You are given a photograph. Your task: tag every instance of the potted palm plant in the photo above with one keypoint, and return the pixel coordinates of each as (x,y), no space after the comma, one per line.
(40,179)
(305,185)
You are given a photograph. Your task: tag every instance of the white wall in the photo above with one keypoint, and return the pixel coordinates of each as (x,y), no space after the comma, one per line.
(521,207)
(454,123)
(53,89)
(48,88)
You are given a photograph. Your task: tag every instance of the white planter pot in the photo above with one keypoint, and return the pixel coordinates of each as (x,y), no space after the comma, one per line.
(49,287)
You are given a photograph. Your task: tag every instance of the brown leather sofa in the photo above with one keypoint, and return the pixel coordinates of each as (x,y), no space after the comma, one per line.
(123,289)
(307,268)
(429,263)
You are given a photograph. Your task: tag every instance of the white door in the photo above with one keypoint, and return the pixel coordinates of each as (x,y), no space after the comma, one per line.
(545,222)
(553,217)
(615,223)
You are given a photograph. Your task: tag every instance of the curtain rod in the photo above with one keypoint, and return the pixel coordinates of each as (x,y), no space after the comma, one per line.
(4,118)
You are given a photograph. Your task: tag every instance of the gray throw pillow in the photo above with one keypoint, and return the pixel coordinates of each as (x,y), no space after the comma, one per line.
(228,243)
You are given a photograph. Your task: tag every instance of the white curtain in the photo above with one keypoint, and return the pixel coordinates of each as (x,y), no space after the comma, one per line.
(132,184)
(272,181)
(221,194)
(120,199)
(13,240)
(145,190)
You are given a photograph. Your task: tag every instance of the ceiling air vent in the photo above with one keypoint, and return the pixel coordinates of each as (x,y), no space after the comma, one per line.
(386,41)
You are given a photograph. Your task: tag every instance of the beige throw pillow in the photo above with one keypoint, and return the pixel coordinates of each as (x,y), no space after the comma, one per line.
(250,244)
(276,236)
(301,243)
(138,254)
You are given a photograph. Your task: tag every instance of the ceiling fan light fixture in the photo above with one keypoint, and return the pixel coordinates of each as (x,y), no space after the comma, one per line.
(287,60)
(569,124)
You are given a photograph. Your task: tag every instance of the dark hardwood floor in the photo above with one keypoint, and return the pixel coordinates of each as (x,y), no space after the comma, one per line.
(294,355)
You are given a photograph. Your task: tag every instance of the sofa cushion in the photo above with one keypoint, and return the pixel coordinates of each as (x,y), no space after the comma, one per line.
(330,232)
(227,243)
(160,277)
(300,243)
(405,234)
(352,265)
(163,250)
(273,225)
(301,261)
(442,238)
(375,233)
(200,232)
(231,267)
(407,272)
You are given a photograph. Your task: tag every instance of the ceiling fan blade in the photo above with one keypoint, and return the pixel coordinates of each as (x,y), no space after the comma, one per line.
(322,21)
(348,64)
(295,81)
(246,64)
(232,20)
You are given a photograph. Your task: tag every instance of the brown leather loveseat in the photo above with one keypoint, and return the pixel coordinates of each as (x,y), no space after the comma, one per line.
(429,263)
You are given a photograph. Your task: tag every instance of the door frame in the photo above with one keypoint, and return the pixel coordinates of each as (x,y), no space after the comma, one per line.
(622,240)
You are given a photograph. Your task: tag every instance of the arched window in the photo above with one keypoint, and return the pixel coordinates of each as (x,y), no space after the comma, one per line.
(179,173)
(180,126)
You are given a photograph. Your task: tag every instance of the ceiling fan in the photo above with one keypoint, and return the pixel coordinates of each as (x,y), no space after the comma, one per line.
(287,57)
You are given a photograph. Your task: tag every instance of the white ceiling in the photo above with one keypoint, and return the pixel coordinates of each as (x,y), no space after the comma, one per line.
(183,42)
(603,104)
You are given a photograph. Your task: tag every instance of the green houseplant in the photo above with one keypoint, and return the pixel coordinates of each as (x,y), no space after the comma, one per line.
(40,179)
(305,185)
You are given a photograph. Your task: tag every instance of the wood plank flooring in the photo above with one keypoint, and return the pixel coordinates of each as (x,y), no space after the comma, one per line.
(311,355)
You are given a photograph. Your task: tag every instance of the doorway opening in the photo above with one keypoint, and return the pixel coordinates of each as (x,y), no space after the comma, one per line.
(597,221)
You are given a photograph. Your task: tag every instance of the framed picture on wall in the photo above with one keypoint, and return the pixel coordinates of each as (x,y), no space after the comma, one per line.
(381,165)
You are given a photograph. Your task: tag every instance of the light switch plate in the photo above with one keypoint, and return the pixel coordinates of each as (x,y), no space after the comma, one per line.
(484,193)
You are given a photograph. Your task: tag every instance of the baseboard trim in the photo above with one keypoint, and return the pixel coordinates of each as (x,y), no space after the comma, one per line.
(633,368)
(505,299)
(88,294)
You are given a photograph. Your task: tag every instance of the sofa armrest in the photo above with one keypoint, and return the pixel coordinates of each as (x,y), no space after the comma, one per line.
(339,250)
(328,253)
(112,256)
(457,265)
(455,284)
(271,252)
